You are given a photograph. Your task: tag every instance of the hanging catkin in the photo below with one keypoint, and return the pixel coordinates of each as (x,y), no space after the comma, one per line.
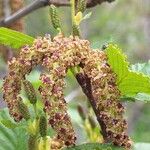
(57,57)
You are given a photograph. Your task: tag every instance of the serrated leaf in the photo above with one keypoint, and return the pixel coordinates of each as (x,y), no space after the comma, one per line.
(117,60)
(9,124)
(135,83)
(13,38)
(130,83)
(94,146)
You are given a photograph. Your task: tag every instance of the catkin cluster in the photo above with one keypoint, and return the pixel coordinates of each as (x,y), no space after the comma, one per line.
(106,95)
(57,56)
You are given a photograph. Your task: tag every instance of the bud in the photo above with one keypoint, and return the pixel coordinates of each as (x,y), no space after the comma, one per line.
(32,143)
(81,6)
(23,109)
(43,126)
(29,89)
(78,18)
(54,17)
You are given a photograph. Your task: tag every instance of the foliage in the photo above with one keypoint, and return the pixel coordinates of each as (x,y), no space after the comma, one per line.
(94,146)
(12,136)
(13,38)
(130,82)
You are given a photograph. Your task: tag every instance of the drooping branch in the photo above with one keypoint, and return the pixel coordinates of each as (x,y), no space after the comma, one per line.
(42,3)
(85,84)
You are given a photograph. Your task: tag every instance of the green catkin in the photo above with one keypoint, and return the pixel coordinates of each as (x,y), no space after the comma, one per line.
(29,89)
(75,30)
(81,6)
(32,142)
(23,109)
(43,126)
(54,17)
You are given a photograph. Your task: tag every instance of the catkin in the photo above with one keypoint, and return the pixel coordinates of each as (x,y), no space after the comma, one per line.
(30,92)
(43,126)
(57,57)
(54,17)
(23,109)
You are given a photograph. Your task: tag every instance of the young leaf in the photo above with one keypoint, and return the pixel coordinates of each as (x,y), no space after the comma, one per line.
(129,82)
(117,61)
(14,39)
(135,83)
(94,146)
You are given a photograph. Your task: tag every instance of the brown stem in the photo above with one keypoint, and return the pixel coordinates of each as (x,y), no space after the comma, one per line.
(42,3)
(85,83)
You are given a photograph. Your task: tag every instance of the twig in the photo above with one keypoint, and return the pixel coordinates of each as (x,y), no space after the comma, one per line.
(42,3)
(85,83)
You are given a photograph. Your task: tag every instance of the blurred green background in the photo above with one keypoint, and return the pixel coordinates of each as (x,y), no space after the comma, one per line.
(124,22)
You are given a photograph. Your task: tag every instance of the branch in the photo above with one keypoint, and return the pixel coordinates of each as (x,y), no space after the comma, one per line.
(43,3)
(85,83)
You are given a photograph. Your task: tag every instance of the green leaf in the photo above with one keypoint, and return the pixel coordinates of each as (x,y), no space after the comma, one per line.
(11,139)
(94,146)
(117,61)
(135,83)
(130,83)
(9,124)
(14,39)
